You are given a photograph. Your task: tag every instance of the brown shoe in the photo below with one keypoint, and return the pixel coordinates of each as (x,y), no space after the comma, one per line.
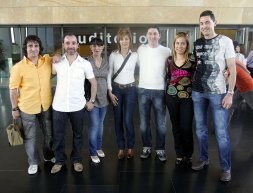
(121,154)
(130,153)
(78,167)
(56,168)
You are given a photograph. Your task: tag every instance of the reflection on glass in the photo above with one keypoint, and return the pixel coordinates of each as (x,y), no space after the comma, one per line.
(12,36)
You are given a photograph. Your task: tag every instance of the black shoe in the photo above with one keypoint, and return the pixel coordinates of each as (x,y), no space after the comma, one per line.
(179,161)
(188,162)
(146,152)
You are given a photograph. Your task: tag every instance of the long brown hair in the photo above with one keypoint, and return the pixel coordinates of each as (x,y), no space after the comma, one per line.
(185,36)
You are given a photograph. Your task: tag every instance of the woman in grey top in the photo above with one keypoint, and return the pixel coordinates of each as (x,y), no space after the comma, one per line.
(96,116)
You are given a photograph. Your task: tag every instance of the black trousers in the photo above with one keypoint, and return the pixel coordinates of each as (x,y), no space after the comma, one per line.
(181,116)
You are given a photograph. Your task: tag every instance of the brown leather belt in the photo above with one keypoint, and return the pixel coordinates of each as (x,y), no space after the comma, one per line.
(123,85)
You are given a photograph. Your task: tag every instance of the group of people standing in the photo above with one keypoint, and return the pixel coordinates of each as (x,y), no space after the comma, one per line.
(188,84)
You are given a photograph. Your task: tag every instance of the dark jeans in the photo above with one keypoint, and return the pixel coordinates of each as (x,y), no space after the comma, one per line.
(60,123)
(123,115)
(155,99)
(181,116)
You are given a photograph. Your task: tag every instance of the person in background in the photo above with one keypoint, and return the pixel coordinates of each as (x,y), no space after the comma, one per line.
(238,55)
(244,88)
(122,91)
(31,98)
(250,63)
(69,102)
(100,68)
(214,53)
(151,95)
(179,71)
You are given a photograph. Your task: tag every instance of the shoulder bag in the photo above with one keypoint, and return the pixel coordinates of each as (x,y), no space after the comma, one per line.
(121,67)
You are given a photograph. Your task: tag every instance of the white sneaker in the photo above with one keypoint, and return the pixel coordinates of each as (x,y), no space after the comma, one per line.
(100,153)
(95,159)
(32,169)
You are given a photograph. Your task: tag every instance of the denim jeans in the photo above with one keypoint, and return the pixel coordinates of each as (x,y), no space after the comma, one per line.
(181,116)
(203,101)
(60,123)
(30,124)
(96,125)
(147,99)
(123,115)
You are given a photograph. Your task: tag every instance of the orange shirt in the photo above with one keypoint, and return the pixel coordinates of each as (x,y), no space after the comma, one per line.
(244,81)
(33,83)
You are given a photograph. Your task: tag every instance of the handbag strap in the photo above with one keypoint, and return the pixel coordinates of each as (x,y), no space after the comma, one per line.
(121,67)
(17,122)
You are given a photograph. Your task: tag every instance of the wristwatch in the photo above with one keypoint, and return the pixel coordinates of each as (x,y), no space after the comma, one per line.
(92,101)
(15,109)
(231,92)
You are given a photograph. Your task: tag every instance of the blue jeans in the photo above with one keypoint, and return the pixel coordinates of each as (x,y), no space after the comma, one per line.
(60,123)
(123,115)
(30,124)
(203,101)
(96,125)
(147,99)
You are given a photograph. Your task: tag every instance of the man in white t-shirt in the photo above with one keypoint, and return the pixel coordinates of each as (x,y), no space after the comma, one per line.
(214,53)
(152,57)
(69,102)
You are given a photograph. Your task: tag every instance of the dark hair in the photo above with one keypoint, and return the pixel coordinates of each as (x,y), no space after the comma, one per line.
(32,38)
(208,13)
(235,43)
(96,41)
(69,34)
(155,27)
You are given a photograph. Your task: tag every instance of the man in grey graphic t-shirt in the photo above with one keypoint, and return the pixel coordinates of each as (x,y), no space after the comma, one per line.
(214,53)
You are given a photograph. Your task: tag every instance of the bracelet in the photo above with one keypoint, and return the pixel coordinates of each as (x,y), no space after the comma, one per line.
(15,109)
(230,92)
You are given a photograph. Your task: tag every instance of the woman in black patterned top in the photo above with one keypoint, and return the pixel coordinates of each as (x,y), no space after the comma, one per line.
(179,71)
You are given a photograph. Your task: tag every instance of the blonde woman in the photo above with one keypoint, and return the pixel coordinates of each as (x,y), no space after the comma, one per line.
(179,70)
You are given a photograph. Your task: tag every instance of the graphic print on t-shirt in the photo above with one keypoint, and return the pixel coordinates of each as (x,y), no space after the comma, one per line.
(208,70)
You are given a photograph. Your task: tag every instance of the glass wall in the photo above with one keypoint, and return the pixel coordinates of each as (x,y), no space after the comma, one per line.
(12,37)
(11,40)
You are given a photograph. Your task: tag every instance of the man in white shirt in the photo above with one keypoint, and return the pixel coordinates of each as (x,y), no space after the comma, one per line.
(152,57)
(69,102)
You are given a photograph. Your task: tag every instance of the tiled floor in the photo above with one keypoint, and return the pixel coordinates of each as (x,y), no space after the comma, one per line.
(129,176)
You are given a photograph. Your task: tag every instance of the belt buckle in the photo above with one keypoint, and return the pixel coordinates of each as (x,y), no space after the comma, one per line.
(121,86)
